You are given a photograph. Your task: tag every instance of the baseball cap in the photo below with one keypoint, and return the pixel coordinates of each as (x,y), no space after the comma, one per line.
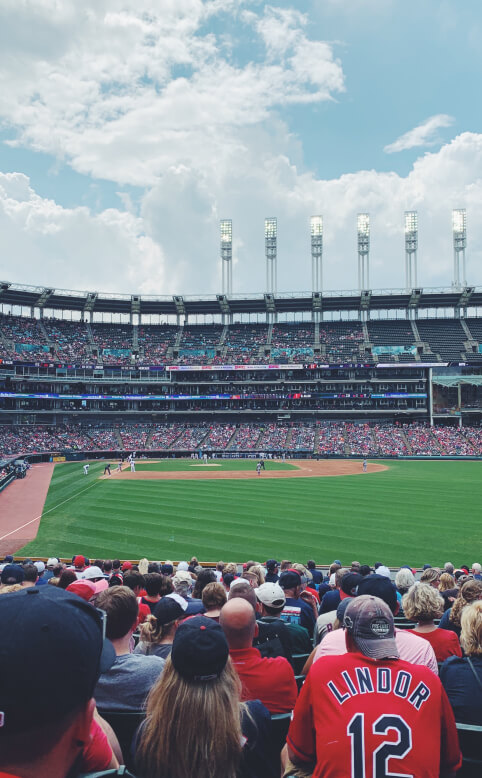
(52,561)
(384,570)
(369,621)
(379,586)
(182,566)
(271,594)
(199,650)
(168,609)
(8,559)
(167,569)
(82,588)
(12,574)
(271,564)
(237,582)
(40,567)
(340,611)
(349,584)
(289,579)
(50,640)
(92,572)
(182,576)
(79,561)
(126,566)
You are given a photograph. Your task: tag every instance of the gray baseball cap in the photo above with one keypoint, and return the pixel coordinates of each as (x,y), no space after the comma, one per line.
(369,621)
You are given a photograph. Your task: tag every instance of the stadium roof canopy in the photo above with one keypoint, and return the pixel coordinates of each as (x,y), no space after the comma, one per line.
(191,305)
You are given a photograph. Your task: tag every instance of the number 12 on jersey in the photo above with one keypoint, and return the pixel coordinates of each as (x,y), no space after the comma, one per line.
(388,749)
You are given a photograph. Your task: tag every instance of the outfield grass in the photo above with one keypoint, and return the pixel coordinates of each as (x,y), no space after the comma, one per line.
(413,513)
(169,465)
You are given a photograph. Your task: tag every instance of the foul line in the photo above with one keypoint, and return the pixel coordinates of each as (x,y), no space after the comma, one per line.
(49,510)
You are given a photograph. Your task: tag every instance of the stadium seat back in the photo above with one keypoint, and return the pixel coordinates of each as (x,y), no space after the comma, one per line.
(125,725)
(470,738)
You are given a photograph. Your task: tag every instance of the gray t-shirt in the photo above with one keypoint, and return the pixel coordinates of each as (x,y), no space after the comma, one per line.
(153,649)
(125,686)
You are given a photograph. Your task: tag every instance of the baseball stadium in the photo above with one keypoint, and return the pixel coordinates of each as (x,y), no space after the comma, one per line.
(231,426)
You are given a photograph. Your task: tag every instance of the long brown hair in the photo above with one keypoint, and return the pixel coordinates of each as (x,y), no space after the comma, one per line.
(469,592)
(192,728)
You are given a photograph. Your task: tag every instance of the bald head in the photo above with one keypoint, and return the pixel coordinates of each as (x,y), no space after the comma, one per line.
(238,621)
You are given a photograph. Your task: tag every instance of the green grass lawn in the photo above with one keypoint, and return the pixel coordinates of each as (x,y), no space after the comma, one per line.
(168,465)
(413,513)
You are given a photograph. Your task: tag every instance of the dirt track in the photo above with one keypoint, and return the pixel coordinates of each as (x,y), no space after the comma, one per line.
(21,506)
(305,468)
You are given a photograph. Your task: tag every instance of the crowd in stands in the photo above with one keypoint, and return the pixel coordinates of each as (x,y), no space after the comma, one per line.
(178,669)
(322,438)
(24,339)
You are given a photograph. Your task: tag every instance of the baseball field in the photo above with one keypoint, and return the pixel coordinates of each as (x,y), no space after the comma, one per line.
(401,512)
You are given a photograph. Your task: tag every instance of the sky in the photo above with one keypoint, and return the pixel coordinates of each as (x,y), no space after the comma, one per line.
(128,130)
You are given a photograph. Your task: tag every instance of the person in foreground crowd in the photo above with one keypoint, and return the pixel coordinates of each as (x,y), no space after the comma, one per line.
(270,680)
(296,610)
(159,629)
(52,651)
(411,648)
(271,601)
(423,604)
(369,713)
(462,677)
(469,592)
(230,739)
(126,684)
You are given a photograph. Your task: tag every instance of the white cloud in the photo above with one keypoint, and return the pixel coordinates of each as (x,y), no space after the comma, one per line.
(43,243)
(423,135)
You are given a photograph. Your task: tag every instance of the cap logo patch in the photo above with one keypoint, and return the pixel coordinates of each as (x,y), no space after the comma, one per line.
(2,718)
(380,628)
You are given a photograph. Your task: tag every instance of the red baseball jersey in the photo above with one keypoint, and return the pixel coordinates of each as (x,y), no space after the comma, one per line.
(364,718)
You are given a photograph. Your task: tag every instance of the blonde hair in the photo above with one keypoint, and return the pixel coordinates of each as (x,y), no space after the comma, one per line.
(170,747)
(153,632)
(430,576)
(471,622)
(230,568)
(11,588)
(258,571)
(422,603)
(143,566)
(447,582)
(404,579)
(469,592)
(302,570)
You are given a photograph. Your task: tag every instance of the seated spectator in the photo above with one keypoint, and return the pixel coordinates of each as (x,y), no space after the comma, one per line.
(270,680)
(204,578)
(272,567)
(64,740)
(183,585)
(431,576)
(294,639)
(213,599)
(126,684)
(410,647)
(448,589)
(462,677)
(66,578)
(317,575)
(270,640)
(152,584)
(469,592)
(200,685)
(41,581)
(331,600)
(404,579)
(423,604)
(333,722)
(296,610)
(325,622)
(159,629)
(12,574)
(31,575)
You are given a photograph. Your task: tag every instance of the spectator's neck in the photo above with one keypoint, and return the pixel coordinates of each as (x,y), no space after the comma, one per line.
(122,645)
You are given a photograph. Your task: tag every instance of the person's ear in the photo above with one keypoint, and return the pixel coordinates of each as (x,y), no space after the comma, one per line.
(83,723)
(256,629)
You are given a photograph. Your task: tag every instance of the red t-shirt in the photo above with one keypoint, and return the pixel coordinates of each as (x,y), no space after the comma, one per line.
(444,642)
(270,680)
(363,717)
(97,754)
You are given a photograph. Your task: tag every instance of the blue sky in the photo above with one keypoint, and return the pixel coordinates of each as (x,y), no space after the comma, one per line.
(127,133)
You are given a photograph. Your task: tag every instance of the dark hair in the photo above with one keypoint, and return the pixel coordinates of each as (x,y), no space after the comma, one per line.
(167,587)
(133,578)
(153,568)
(107,566)
(228,578)
(31,573)
(66,577)
(115,580)
(116,565)
(99,563)
(204,577)
(365,570)
(120,604)
(57,570)
(311,564)
(153,583)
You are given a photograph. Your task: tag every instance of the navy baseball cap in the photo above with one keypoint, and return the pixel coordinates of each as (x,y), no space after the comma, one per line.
(199,650)
(271,564)
(379,586)
(290,579)
(12,574)
(52,649)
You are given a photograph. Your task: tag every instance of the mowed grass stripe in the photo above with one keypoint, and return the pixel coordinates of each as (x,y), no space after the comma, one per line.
(412,513)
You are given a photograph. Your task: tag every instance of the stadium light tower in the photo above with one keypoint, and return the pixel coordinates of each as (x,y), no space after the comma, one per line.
(227,255)
(363,242)
(459,231)
(411,245)
(271,252)
(317,253)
